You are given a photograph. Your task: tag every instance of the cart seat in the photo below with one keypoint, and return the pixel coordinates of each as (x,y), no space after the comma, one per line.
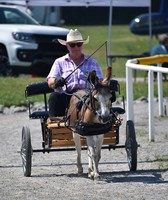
(40,88)
(37,89)
(39,115)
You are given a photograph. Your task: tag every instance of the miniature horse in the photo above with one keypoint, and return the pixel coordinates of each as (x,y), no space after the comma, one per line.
(89,115)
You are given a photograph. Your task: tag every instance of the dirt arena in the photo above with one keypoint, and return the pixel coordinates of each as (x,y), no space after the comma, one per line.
(54,174)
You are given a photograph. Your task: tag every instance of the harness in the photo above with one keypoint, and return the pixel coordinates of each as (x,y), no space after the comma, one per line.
(88,129)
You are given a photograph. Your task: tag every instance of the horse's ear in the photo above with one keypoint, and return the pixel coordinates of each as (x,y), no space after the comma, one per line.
(92,78)
(106,80)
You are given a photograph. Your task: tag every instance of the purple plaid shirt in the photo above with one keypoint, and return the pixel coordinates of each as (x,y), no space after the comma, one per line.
(64,66)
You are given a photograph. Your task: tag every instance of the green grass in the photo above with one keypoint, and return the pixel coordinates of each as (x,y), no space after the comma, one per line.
(141,89)
(13,90)
(122,42)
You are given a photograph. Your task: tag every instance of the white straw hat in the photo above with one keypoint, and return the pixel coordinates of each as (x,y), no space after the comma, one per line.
(74,36)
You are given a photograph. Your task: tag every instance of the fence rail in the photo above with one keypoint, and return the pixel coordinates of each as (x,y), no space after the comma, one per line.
(146,64)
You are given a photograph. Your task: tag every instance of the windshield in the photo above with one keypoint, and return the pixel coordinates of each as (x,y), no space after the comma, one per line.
(15,16)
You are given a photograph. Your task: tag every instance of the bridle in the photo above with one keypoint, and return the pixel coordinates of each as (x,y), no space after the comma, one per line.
(88,101)
(83,128)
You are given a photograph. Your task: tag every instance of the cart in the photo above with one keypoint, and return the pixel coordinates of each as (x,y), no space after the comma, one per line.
(56,136)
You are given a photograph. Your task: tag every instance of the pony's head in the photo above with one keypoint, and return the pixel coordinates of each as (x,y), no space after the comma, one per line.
(92,108)
(100,98)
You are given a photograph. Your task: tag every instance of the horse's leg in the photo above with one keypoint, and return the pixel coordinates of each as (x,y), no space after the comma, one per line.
(90,169)
(78,149)
(99,142)
(93,172)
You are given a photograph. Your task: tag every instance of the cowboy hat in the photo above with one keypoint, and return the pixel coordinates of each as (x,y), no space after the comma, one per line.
(74,36)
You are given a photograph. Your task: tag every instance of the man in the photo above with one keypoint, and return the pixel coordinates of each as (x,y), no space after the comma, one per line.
(161,48)
(69,72)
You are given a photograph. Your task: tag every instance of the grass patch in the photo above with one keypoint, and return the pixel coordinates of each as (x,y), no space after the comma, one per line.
(141,89)
(13,90)
(122,42)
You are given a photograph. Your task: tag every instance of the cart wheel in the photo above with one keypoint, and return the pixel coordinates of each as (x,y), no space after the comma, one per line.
(26,151)
(131,146)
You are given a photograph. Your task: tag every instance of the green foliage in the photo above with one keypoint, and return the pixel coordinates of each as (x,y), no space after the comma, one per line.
(122,42)
(141,89)
(12,90)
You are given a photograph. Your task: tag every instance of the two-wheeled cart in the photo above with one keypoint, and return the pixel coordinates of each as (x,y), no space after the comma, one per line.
(56,136)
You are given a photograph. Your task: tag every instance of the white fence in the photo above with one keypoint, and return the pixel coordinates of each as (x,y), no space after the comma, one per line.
(145,64)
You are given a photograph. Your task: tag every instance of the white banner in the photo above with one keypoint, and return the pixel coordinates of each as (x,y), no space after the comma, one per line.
(17,2)
(86,3)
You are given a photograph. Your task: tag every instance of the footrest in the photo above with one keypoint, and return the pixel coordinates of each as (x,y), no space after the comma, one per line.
(56,122)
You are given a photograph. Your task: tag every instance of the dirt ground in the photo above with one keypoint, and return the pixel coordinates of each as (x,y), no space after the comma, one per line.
(54,174)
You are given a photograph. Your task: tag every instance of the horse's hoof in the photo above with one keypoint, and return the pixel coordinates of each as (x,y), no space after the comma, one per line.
(80,171)
(91,175)
(94,177)
(97,178)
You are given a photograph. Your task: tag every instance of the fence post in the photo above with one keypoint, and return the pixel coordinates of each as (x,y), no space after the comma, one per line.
(151,105)
(129,94)
(144,65)
(160,91)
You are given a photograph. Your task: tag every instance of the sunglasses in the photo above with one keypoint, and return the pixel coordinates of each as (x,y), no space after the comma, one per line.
(78,44)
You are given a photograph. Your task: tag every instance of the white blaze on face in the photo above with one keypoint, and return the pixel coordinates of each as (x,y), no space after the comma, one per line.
(104,102)
(104,105)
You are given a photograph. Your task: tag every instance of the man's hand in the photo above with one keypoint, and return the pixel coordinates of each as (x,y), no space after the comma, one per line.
(60,82)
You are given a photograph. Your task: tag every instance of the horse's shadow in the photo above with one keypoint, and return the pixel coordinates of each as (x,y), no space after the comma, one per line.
(148,176)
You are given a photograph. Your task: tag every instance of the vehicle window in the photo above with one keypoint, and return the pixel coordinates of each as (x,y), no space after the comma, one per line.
(157,20)
(14,16)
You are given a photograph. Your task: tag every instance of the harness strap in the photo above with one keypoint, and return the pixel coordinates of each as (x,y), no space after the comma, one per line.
(79,105)
(83,101)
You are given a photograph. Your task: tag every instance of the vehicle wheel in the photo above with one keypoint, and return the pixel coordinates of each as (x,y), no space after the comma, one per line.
(131,146)
(26,151)
(5,68)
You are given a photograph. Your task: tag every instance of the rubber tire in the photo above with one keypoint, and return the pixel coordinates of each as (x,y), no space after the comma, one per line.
(26,151)
(5,68)
(131,146)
